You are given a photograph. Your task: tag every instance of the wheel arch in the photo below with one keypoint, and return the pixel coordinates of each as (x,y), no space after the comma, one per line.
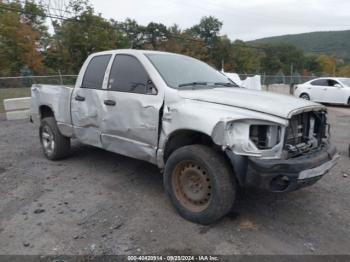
(185,137)
(46,111)
(304,93)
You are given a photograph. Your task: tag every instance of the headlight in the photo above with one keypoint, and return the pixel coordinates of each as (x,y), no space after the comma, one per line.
(265,137)
(251,137)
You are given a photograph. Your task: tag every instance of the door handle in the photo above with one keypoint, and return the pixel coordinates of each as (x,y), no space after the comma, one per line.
(110,102)
(79,98)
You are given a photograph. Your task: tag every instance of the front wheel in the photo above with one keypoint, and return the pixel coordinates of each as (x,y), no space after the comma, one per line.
(200,184)
(54,144)
(305,96)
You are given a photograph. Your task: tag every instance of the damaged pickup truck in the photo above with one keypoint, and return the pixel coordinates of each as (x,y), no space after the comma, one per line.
(206,134)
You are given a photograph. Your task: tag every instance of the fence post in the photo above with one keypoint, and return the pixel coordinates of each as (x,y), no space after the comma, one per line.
(291,89)
(61,79)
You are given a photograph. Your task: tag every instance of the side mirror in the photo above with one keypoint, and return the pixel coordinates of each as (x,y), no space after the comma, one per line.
(151,89)
(338,86)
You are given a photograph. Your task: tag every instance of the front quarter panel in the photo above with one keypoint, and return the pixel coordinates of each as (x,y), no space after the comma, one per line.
(214,121)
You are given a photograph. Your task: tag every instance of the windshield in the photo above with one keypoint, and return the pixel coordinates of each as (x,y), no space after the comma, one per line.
(345,81)
(180,71)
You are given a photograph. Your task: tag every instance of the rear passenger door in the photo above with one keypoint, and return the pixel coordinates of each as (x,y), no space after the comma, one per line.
(131,120)
(88,101)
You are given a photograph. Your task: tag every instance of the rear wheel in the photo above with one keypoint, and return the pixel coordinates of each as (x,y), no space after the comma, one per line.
(200,184)
(305,96)
(54,144)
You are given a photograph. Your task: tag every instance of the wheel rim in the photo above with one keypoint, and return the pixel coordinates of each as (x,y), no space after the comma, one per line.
(192,186)
(306,97)
(47,140)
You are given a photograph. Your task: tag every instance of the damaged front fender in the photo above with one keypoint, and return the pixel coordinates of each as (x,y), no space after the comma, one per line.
(234,135)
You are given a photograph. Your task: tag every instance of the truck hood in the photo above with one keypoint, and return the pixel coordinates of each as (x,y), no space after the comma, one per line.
(265,102)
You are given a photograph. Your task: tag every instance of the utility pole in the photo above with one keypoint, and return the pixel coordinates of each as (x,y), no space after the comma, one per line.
(291,82)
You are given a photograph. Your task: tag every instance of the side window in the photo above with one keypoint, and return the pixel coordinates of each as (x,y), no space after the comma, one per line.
(332,82)
(128,75)
(95,72)
(320,82)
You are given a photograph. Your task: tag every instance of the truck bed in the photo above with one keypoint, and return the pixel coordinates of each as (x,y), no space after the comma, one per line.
(56,97)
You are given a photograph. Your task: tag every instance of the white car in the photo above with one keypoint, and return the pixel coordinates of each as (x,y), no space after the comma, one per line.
(325,90)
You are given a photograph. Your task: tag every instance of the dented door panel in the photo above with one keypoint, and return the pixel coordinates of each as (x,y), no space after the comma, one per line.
(87,115)
(131,126)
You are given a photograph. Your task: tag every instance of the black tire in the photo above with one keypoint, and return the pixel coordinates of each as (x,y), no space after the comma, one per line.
(349,101)
(305,96)
(61,145)
(221,183)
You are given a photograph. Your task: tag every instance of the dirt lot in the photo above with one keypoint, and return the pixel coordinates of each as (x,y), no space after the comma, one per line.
(97,202)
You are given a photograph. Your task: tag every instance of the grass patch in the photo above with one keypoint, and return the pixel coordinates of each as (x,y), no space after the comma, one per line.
(6,93)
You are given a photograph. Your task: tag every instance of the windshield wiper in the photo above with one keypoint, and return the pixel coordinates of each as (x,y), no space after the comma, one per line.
(194,84)
(225,84)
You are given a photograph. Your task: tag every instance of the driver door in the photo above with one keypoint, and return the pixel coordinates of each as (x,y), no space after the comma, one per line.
(131,117)
(334,92)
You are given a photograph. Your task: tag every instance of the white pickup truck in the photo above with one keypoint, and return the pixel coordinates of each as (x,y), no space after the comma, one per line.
(206,134)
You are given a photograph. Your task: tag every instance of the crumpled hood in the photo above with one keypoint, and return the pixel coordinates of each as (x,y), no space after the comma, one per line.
(266,102)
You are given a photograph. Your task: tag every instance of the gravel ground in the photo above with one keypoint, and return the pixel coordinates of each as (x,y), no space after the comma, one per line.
(96,202)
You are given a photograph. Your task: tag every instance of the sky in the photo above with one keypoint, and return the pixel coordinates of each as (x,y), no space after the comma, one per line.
(243,19)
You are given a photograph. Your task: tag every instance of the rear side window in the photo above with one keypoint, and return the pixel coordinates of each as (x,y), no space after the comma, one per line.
(128,75)
(320,82)
(95,72)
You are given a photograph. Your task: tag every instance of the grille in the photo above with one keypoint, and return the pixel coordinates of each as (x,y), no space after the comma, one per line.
(298,129)
(305,131)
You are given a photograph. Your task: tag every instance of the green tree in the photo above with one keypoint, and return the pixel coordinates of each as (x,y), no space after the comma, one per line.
(133,31)
(344,71)
(19,41)
(156,33)
(175,29)
(312,65)
(80,36)
(35,16)
(245,59)
(208,30)
(328,64)
(282,57)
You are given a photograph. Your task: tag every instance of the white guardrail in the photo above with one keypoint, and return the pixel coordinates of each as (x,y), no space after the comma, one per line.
(17,108)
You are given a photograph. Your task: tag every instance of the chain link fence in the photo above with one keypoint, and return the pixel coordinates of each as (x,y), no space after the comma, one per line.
(28,81)
(16,87)
(280,79)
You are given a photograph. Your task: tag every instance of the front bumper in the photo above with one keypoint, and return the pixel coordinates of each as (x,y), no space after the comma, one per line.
(288,175)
